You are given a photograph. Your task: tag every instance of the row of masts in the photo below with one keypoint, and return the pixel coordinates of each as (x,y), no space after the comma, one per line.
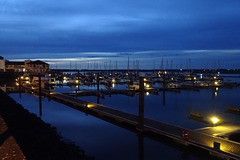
(132,64)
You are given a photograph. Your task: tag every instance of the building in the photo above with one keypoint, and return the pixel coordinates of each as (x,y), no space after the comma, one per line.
(14,66)
(28,66)
(2,64)
(34,67)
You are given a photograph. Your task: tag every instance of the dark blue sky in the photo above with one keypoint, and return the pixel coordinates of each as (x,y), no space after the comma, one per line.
(57,29)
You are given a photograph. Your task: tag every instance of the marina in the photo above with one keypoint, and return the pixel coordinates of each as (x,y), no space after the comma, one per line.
(92,101)
(119,80)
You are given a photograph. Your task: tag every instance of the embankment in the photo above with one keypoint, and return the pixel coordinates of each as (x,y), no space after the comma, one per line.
(36,139)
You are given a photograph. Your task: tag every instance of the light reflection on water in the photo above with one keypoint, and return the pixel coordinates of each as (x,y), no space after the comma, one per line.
(104,140)
(178,106)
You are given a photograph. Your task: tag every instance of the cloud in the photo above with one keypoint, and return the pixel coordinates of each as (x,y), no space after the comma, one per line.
(117,28)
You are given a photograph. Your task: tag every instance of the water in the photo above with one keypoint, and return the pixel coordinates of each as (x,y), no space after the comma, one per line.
(107,141)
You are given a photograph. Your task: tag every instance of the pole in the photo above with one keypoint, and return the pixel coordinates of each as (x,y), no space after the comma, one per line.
(164,88)
(98,82)
(141,104)
(20,87)
(78,81)
(140,146)
(40,94)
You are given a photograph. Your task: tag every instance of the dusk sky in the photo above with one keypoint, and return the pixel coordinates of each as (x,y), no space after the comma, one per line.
(76,33)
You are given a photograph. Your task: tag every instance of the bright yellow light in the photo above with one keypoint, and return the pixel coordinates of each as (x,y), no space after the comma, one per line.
(215,77)
(195,78)
(147,85)
(216,83)
(77,81)
(90,105)
(147,93)
(27,78)
(17,84)
(145,79)
(113,80)
(217,89)
(21,77)
(214,120)
(165,72)
(64,77)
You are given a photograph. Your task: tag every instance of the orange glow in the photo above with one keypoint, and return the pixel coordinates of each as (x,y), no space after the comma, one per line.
(90,105)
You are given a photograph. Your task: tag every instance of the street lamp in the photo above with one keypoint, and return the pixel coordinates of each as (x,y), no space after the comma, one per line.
(214,120)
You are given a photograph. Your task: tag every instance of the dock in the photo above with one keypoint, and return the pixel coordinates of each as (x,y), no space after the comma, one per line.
(220,147)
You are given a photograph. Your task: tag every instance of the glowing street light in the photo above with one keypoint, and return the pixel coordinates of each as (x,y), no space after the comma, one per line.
(214,120)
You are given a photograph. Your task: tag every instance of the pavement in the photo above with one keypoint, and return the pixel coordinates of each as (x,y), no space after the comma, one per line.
(9,149)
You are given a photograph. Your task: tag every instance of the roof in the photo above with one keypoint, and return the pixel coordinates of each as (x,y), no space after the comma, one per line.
(37,62)
(14,63)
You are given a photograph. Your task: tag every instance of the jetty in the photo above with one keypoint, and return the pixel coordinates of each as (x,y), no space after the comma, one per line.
(216,146)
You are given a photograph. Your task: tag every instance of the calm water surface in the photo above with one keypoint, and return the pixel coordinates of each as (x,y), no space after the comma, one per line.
(106,141)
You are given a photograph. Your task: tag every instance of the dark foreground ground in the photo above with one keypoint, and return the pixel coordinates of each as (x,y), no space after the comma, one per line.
(37,140)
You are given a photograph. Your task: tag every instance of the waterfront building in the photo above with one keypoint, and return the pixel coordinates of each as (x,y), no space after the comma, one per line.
(2,64)
(14,66)
(34,67)
(27,66)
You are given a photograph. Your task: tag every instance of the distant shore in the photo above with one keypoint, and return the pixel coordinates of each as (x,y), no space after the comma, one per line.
(36,139)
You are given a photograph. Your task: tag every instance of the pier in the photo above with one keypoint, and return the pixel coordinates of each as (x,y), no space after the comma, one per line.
(222,148)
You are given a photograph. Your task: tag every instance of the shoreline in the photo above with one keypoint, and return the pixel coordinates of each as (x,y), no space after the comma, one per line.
(37,139)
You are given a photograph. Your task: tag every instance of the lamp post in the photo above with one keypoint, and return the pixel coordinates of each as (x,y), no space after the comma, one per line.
(141,104)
